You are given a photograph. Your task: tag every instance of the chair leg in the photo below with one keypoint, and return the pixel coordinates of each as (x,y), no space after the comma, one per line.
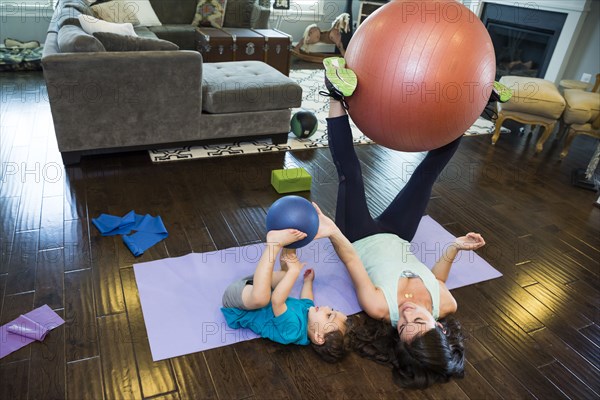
(498,127)
(548,129)
(527,129)
(562,129)
(567,144)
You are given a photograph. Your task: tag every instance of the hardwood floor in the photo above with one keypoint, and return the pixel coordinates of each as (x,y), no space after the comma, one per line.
(533,333)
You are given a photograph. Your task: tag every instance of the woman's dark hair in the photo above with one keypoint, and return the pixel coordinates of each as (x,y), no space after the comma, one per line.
(335,346)
(433,357)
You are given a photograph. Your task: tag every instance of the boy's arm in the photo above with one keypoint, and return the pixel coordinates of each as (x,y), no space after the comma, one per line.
(264,268)
(307,286)
(283,289)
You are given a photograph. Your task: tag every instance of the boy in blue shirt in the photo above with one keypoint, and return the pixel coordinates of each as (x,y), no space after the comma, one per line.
(261,303)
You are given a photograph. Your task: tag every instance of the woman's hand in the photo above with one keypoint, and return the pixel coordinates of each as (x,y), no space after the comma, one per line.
(326,226)
(472,241)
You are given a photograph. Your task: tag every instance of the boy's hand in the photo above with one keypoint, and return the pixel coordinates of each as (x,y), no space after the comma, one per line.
(309,275)
(290,259)
(326,226)
(472,241)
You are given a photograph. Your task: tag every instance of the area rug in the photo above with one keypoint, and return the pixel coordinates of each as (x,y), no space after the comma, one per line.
(311,82)
(181,297)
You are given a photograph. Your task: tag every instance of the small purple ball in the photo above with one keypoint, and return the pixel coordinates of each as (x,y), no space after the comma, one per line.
(294,212)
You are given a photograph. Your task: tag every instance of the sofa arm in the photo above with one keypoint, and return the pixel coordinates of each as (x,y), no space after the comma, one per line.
(110,99)
(260,16)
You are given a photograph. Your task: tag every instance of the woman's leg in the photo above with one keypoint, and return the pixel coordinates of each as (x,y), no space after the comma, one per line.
(403,215)
(352,213)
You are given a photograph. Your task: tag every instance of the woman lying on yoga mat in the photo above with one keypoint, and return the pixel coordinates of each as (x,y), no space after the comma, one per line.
(408,302)
(261,303)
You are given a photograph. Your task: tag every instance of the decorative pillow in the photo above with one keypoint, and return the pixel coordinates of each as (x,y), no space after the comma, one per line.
(144,12)
(32,44)
(239,13)
(72,39)
(210,13)
(115,42)
(116,11)
(90,25)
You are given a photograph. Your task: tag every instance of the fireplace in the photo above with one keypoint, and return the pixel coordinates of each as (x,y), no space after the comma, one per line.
(524,38)
(528,16)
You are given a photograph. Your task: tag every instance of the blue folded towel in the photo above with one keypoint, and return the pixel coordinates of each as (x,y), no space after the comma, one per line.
(149,230)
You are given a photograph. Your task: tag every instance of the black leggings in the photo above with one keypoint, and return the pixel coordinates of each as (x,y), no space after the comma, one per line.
(404,213)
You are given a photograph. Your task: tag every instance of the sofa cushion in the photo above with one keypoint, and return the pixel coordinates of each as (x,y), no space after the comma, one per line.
(533,96)
(116,11)
(174,12)
(582,107)
(82,6)
(143,31)
(183,36)
(92,24)
(245,86)
(67,14)
(238,13)
(210,13)
(73,39)
(115,42)
(68,19)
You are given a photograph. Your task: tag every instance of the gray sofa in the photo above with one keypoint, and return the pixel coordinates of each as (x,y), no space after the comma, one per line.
(103,101)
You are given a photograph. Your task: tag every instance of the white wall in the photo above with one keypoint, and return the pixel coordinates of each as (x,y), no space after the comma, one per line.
(586,56)
(29,19)
(25,19)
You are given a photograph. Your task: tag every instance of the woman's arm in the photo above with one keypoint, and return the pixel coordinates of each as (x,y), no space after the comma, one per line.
(370,298)
(442,267)
(447,302)
(472,241)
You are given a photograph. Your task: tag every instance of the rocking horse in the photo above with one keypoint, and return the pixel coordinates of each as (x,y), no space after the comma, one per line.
(313,35)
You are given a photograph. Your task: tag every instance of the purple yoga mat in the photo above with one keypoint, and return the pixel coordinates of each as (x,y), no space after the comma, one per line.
(181,297)
(28,328)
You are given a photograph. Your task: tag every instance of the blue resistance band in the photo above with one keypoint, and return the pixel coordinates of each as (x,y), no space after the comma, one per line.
(149,230)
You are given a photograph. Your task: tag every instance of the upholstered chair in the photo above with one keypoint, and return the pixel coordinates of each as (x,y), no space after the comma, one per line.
(582,114)
(534,102)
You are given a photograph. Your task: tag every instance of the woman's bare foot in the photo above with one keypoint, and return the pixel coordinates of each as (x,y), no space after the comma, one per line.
(285,236)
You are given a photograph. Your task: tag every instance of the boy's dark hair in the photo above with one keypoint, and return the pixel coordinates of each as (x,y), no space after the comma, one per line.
(336,345)
(433,357)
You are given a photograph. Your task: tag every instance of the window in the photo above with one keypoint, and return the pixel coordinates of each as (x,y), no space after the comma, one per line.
(302,9)
(31,10)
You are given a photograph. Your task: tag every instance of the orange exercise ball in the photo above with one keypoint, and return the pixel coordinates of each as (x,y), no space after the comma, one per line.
(425,73)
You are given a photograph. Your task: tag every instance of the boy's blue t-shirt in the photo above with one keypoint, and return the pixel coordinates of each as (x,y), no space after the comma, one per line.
(288,328)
